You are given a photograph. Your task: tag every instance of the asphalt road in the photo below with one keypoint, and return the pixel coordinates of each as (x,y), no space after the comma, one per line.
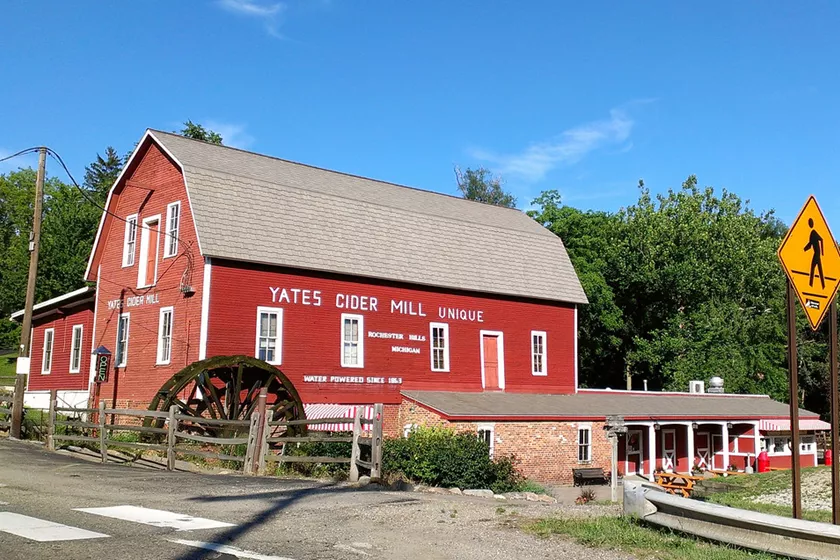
(135,513)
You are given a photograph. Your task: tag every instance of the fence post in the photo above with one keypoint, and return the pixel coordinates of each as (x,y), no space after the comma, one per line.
(263,444)
(354,452)
(376,446)
(253,439)
(262,433)
(51,420)
(170,438)
(103,449)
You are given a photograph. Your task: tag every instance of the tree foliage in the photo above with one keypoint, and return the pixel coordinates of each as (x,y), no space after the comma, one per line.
(480,185)
(198,132)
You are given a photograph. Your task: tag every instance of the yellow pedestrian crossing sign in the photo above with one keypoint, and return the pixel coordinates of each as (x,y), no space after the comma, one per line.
(811,261)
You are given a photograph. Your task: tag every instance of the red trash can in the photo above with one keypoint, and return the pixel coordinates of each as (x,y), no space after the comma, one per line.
(828,458)
(763,463)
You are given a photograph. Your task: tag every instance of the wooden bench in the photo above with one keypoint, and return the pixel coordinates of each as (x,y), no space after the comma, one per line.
(589,475)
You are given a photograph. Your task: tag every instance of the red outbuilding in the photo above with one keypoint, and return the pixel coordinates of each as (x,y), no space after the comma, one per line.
(360,291)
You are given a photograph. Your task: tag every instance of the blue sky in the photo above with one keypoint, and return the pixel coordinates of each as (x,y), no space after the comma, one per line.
(582,97)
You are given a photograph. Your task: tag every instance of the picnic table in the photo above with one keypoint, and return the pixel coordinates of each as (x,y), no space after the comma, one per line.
(675,483)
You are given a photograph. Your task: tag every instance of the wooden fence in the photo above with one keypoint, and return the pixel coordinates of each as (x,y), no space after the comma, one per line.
(175,434)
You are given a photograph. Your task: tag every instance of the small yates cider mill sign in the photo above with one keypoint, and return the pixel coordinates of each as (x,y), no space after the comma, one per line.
(811,260)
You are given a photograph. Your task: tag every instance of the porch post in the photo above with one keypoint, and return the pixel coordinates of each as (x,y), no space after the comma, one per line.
(757,443)
(690,434)
(724,428)
(651,450)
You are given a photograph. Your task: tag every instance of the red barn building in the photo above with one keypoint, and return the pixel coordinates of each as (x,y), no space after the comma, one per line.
(448,311)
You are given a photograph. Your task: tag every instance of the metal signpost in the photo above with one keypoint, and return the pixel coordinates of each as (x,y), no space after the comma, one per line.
(811,260)
(615,427)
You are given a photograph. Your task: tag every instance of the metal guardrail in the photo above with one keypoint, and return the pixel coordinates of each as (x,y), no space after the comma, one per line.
(784,536)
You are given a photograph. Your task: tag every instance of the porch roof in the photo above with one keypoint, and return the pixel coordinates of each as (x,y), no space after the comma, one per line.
(597,406)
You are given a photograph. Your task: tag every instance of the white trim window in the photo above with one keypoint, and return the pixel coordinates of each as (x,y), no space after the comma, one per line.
(149,235)
(76,349)
(439,341)
(164,345)
(538,353)
(487,434)
(49,341)
(584,444)
(173,228)
(121,358)
(269,345)
(130,240)
(352,341)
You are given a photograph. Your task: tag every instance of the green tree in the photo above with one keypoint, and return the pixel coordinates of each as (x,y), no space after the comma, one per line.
(101,175)
(481,186)
(198,132)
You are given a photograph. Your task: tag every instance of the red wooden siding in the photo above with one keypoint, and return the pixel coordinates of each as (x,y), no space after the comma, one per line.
(311,333)
(155,182)
(60,377)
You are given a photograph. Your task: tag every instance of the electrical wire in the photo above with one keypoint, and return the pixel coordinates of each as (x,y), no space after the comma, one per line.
(20,153)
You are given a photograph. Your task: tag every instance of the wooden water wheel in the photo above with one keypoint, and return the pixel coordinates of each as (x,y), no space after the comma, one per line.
(227,388)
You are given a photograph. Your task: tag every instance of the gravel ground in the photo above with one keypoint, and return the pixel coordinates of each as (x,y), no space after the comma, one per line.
(816,493)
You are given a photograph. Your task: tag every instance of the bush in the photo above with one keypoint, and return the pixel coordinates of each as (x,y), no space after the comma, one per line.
(318,449)
(441,457)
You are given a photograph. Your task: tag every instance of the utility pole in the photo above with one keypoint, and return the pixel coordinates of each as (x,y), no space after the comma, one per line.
(26,327)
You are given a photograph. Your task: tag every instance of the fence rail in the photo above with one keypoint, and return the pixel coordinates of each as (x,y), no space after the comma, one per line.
(266,441)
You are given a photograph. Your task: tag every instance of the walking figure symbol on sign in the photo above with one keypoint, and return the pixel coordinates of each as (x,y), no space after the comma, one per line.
(815,243)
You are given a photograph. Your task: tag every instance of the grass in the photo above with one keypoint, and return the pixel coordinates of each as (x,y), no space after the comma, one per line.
(629,536)
(7,369)
(743,490)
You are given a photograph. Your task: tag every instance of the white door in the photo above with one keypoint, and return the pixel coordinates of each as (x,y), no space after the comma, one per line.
(669,450)
(633,452)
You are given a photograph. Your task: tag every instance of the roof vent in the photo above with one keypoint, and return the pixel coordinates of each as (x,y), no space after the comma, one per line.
(716,385)
(696,387)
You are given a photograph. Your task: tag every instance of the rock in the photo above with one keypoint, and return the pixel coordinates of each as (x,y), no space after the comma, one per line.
(499,497)
(482,493)
(455,491)
(545,498)
(531,497)
(363,481)
(514,495)
(436,490)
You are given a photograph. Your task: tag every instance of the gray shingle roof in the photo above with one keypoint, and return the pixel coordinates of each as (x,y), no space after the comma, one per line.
(601,404)
(255,208)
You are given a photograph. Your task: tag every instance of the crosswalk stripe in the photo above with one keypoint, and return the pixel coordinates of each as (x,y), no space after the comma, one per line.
(156,517)
(225,549)
(41,530)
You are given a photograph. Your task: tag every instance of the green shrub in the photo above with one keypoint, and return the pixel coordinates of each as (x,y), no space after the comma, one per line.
(318,449)
(441,457)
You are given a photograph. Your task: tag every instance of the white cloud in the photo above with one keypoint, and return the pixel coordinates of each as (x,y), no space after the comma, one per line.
(570,146)
(269,13)
(233,135)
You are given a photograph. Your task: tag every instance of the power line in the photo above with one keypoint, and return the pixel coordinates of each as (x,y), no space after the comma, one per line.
(20,153)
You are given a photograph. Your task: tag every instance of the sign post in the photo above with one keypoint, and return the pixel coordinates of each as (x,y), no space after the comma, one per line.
(835,415)
(811,261)
(615,426)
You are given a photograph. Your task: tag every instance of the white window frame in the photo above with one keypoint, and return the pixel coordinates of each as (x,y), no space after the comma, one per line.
(46,365)
(408,428)
(360,363)
(130,229)
(121,360)
(145,234)
(445,327)
(500,350)
(587,445)
(161,359)
(278,344)
(78,335)
(170,242)
(544,354)
(491,429)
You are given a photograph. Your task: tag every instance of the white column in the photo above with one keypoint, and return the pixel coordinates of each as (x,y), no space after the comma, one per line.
(690,436)
(724,428)
(651,450)
(757,443)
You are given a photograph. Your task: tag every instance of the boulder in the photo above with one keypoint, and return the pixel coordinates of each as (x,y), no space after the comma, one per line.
(481,493)
(456,491)
(499,497)
(363,481)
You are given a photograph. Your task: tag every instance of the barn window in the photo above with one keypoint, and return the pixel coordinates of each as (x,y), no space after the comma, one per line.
(122,341)
(130,240)
(487,434)
(538,365)
(440,346)
(164,348)
(269,334)
(76,349)
(46,364)
(352,340)
(584,444)
(173,227)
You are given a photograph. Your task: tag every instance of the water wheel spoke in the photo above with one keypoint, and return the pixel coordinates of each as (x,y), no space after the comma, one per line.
(214,397)
(237,391)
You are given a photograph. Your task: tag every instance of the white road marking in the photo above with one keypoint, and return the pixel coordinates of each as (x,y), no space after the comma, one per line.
(40,530)
(224,549)
(156,517)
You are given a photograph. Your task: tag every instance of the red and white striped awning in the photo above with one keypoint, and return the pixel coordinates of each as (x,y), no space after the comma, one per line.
(318,411)
(784,425)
